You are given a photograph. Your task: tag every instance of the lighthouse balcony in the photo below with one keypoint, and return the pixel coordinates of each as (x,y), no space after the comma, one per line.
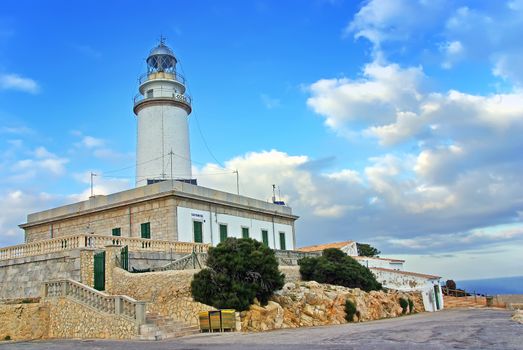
(165,95)
(161,76)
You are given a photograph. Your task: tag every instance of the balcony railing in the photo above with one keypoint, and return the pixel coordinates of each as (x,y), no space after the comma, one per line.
(163,95)
(161,75)
(94,241)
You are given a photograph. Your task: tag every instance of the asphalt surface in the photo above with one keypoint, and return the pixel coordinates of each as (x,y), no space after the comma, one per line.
(449,329)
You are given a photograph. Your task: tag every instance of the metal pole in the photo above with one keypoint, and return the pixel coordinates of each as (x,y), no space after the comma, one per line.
(237,182)
(92,175)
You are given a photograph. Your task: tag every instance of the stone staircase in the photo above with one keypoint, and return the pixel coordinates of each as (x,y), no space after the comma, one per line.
(451,302)
(159,327)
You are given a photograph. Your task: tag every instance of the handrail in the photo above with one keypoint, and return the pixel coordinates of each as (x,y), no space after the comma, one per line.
(139,98)
(67,243)
(460,292)
(198,260)
(291,257)
(120,305)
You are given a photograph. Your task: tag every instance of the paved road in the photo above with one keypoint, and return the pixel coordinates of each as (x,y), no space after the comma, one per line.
(452,329)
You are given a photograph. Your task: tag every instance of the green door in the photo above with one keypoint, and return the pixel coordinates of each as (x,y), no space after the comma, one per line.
(198,231)
(124,257)
(436,296)
(99,271)
(145,230)
(265,237)
(245,232)
(282,241)
(223,232)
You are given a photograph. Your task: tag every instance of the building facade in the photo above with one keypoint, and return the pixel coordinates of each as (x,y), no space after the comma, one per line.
(168,210)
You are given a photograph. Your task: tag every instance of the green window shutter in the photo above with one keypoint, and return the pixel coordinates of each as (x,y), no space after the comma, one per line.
(223,232)
(198,231)
(282,241)
(265,237)
(117,231)
(145,229)
(245,232)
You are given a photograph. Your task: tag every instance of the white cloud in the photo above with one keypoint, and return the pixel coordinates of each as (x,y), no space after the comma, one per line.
(452,51)
(91,142)
(43,162)
(17,82)
(270,102)
(15,206)
(375,98)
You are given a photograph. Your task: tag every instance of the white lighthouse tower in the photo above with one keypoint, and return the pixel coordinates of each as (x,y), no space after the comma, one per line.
(162,109)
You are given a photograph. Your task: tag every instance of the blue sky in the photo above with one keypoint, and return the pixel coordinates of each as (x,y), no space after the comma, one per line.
(396,123)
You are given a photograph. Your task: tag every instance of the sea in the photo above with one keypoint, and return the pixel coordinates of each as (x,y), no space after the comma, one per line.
(493,286)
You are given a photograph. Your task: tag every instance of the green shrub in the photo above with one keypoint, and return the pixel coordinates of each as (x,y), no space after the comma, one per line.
(239,270)
(335,267)
(7,337)
(350,310)
(404,305)
(411,306)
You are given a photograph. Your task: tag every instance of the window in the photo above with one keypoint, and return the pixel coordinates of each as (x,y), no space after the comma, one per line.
(265,237)
(117,231)
(149,93)
(245,232)
(282,241)
(145,229)
(198,231)
(223,232)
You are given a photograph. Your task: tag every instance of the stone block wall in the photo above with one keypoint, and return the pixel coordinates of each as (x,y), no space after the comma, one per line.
(159,212)
(23,277)
(146,259)
(167,293)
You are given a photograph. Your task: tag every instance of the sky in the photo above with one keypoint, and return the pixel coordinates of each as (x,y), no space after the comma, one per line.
(397,123)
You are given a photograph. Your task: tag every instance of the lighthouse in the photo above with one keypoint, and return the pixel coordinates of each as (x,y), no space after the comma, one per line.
(162,109)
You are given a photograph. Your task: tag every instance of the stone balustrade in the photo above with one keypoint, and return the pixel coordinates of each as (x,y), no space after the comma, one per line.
(95,241)
(111,304)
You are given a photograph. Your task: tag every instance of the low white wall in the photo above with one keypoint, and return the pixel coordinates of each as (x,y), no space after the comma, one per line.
(211,227)
(404,282)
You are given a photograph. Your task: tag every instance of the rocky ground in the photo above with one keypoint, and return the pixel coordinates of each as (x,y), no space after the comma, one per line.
(518,316)
(305,304)
(451,329)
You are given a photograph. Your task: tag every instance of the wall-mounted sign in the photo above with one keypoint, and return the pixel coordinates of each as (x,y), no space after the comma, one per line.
(194,215)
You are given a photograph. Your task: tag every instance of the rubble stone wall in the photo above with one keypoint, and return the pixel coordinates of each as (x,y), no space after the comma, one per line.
(24,321)
(69,319)
(167,293)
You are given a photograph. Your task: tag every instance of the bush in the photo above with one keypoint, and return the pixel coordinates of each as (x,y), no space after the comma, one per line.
(450,284)
(367,250)
(404,305)
(411,306)
(350,310)
(239,270)
(335,267)
(7,337)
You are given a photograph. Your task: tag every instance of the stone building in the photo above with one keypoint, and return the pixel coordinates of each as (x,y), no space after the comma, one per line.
(170,211)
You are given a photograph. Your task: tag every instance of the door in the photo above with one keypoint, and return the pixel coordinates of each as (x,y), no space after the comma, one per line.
(265,237)
(198,231)
(99,271)
(282,241)
(436,296)
(223,232)
(124,257)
